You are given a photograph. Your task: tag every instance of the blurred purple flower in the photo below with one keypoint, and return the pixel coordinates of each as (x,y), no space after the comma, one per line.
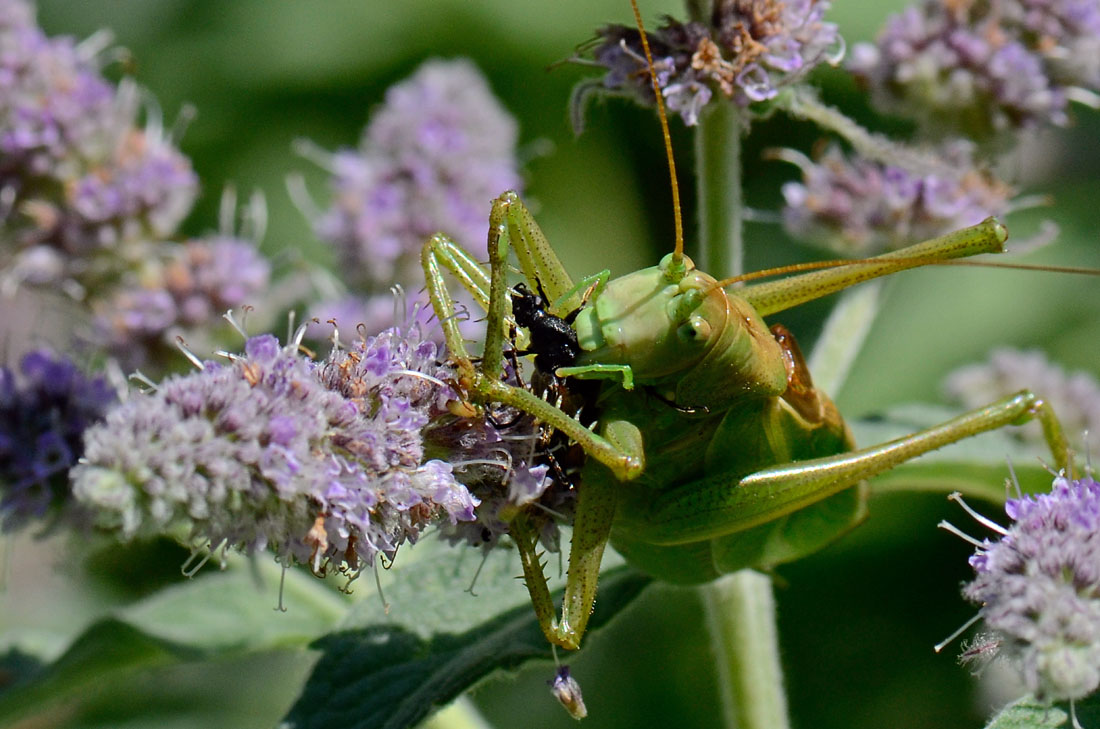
(432,159)
(145,188)
(1074,396)
(56,110)
(984,68)
(179,288)
(861,206)
(76,174)
(45,408)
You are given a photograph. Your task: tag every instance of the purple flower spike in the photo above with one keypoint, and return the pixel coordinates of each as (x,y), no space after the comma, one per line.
(322,462)
(1039,589)
(747,51)
(860,206)
(984,68)
(44,410)
(430,160)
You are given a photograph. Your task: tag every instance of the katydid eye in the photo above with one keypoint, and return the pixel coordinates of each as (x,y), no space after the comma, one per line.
(695,329)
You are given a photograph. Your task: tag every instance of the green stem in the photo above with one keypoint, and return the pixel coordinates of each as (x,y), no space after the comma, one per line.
(699,10)
(462,714)
(804,104)
(740,612)
(718,190)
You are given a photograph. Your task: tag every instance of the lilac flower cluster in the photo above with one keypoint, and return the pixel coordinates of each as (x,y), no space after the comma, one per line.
(431,159)
(184,286)
(45,408)
(322,462)
(1039,588)
(860,206)
(746,51)
(1075,397)
(984,67)
(78,176)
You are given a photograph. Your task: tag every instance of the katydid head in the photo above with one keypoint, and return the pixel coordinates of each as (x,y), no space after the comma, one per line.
(683,335)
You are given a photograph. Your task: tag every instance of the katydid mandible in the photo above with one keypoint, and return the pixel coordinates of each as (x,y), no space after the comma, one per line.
(713,451)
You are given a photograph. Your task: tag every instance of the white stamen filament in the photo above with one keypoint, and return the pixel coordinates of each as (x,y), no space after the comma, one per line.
(949,527)
(949,639)
(191,357)
(984,521)
(421,375)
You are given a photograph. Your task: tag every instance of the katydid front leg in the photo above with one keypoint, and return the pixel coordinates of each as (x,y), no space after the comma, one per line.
(718,505)
(509,223)
(595,512)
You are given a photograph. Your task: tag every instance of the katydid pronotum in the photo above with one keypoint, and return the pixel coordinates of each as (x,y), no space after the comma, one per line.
(713,450)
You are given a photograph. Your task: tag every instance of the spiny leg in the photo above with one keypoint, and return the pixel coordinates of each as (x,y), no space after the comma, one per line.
(595,512)
(537,259)
(715,506)
(440,252)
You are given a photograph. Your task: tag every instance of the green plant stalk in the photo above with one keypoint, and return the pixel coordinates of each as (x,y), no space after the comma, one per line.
(740,607)
(462,714)
(740,611)
(718,190)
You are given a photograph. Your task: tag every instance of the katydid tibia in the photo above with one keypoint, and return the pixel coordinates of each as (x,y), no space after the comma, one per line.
(713,450)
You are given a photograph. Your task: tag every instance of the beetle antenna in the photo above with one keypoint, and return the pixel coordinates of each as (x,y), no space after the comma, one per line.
(678,252)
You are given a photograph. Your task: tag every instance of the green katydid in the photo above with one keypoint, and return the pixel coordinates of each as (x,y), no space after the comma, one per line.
(713,451)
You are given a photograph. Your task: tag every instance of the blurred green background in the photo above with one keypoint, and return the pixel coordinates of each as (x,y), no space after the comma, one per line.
(858,620)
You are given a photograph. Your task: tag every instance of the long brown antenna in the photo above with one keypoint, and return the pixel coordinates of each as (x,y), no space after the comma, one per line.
(678,252)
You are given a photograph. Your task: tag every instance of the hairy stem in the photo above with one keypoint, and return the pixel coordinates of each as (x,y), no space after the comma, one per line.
(462,714)
(718,190)
(740,612)
(804,104)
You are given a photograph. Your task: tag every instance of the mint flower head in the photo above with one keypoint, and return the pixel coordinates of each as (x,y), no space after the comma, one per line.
(56,110)
(857,205)
(984,68)
(746,51)
(45,407)
(322,462)
(431,159)
(84,186)
(179,288)
(1039,589)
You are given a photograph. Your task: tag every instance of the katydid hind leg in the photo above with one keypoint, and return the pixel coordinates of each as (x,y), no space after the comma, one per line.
(716,505)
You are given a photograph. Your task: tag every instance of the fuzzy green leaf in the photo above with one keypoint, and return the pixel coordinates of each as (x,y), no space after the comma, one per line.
(219,615)
(1027,713)
(434,643)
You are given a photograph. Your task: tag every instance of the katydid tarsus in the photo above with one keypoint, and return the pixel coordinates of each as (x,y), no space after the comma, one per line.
(713,451)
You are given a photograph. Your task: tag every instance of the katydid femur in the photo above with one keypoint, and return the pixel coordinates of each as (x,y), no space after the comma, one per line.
(713,450)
